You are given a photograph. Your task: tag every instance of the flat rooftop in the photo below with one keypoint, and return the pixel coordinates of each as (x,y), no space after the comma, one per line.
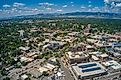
(113,64)
(75,55)
(115,44)
(89,69)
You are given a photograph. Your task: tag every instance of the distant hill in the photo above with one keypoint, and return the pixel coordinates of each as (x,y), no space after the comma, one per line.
(72,14)
(93,14)
(75,14)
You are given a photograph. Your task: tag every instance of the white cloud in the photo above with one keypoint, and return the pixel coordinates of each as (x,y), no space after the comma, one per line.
(113,5)
(95,9)
(49,8)
(107,1)
(118,5)
(89,2)
(6,6)
(60,10)
(72,5)
(110,1)
(65,6)
(89,5)
(115,0)
(14,9)
(16,4)
(35,9)
(71,2)
(83,7)
(46,4)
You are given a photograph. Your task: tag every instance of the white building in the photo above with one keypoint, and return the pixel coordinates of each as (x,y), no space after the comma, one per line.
(114,70)
(88,71)
(24,77)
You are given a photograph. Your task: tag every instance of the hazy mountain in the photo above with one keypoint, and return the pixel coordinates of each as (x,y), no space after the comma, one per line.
(93,14)
(73,14)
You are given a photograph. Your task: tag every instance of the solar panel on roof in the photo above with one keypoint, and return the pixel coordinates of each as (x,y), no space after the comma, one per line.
(91,69)
(87,65)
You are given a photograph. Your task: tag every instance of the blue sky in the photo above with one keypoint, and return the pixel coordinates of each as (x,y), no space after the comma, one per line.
(35,2)
(10,8)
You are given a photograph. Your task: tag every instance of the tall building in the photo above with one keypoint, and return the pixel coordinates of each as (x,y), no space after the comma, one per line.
(21,33)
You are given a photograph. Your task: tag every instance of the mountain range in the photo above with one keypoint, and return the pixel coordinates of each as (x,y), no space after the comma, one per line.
(72,14)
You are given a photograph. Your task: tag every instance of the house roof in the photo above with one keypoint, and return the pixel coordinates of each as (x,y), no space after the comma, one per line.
(42,69)
(74,55)
(115,44)
(113,64)
(24,48)
(104,55)
(95,58)
(24,76)
(35,73)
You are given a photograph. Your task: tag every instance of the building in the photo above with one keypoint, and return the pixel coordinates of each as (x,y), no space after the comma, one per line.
(68,39)
(24,77)
(47,35)
(49,68)
(114,70)
(115,44)
(115,53)
(76,57)
(21,33)
(32,54)
(53,61)
(104,57)
(88,71)
(73,34)
(24,48)
(94,58)
(91,41)
(90,48)
(78,47)
(97,37)
(53,45)
(35,73)
(118,37)
(99,56)
(25,59)
(43,69)
(102,44)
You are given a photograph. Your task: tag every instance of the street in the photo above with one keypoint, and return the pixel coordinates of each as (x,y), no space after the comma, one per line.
(68,75)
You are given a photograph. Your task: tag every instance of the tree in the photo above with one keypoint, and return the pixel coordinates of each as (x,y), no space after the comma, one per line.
(7,78)
(3,71)
(24,63)
(40,56)
(45,73)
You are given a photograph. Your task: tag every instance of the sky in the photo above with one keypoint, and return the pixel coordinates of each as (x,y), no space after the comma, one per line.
(9,8)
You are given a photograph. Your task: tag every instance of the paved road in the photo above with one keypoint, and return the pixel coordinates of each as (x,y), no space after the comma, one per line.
(67,73)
